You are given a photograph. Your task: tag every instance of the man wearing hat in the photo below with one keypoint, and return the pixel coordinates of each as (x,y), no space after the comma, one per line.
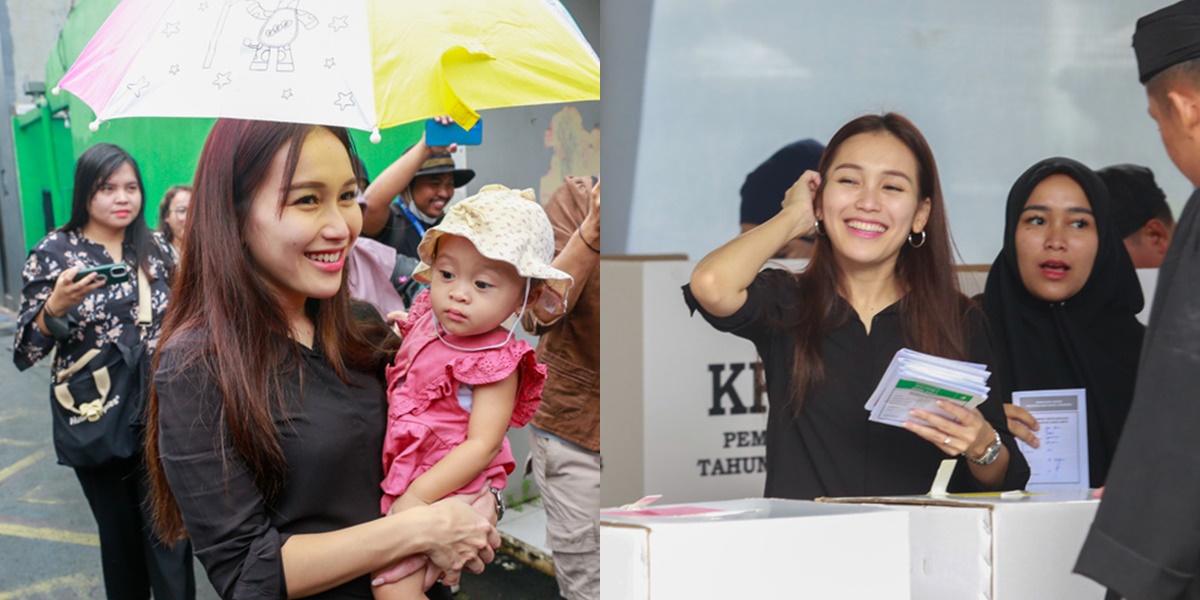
(1141,213)
(424,178)
(1145,540)
(765,187)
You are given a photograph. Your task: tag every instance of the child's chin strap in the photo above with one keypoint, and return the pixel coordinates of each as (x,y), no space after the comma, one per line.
(437,327)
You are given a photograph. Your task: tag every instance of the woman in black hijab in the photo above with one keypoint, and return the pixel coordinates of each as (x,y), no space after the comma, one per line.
(1062,299)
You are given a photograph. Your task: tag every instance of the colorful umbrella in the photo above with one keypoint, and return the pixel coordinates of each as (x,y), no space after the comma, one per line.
(364,64)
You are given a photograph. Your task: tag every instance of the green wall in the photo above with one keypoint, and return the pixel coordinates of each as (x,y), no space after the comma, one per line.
(166,149)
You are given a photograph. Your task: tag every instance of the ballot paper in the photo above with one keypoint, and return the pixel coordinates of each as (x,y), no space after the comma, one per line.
(918,380)
(1061,458)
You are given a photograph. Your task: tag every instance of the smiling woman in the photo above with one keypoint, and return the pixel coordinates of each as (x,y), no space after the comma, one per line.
(300,242)
(269,381)
(880,280)
(95,326)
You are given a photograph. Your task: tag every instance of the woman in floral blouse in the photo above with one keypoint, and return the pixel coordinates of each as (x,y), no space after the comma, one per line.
(74,317)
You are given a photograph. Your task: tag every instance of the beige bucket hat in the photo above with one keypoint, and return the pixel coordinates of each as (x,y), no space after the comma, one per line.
(503,224)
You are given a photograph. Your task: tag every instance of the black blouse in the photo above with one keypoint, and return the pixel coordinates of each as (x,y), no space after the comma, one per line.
(832,449)
(106,315)
(332,438)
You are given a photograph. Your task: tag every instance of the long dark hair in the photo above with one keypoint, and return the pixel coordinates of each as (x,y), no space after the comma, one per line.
(164,210)
(93,168)
(933,309)
(221,302)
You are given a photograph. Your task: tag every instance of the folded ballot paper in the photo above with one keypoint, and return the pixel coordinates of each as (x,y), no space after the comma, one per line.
(916,380)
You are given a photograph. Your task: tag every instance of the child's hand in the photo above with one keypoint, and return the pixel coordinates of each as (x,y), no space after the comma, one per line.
(395,317)
(405,502)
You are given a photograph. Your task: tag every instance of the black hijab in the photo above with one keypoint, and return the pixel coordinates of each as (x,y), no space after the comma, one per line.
(1090,340)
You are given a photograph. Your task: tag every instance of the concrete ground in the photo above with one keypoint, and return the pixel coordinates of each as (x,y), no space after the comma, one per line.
(48,538)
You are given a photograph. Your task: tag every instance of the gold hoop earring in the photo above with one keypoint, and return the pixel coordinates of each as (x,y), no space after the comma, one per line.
(916,244)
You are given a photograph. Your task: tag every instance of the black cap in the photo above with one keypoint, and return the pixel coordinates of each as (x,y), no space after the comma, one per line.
(1136,197)
(766,185)
(1167,37)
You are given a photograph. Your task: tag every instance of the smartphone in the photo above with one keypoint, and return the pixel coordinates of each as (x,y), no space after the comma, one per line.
(437,134)
(112,273)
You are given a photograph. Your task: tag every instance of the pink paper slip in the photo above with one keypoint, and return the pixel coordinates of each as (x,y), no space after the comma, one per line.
(672,511)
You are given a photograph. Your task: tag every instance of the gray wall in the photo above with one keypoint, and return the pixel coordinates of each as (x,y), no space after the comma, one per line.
(994,87)
(625,31)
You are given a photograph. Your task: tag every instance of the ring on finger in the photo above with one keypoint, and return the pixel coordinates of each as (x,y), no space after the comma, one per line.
(947,440)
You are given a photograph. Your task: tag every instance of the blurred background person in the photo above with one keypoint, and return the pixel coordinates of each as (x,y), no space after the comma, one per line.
(1141,213)
(565,430)
(376,272)
(172,215)
(411,195)
(77,320)
(765,186)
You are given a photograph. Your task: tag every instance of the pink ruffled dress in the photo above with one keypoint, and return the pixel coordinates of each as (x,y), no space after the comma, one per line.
(425,420)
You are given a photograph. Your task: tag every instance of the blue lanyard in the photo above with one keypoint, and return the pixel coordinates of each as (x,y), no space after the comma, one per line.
(413,219)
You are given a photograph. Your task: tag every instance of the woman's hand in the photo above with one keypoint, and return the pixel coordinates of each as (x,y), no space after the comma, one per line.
(465,540)
(1022,424)
(798,202)
(589,229)
(68,293)
(971,435)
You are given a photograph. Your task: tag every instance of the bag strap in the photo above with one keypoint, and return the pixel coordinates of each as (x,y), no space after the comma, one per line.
(145,314)
(66,373)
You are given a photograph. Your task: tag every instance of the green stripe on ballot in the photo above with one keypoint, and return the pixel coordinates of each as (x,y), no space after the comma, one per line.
(905,384)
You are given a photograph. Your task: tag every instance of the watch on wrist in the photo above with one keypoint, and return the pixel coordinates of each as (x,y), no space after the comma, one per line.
(499,502)
(991,454)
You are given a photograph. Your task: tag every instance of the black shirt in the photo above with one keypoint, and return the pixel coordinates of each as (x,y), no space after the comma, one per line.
(832,449)
(400,233)
(332,439)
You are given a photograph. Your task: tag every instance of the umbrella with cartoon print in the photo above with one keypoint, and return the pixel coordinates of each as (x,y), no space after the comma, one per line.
(365,64)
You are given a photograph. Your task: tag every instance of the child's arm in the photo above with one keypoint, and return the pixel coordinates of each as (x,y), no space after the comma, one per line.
(491,410)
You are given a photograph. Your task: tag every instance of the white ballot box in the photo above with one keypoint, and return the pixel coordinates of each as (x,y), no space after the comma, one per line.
(680,414)
(756,548)
(683,413)
(986,546)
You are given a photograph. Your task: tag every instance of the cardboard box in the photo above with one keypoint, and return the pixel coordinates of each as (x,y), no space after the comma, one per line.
(986,546)
(758,548)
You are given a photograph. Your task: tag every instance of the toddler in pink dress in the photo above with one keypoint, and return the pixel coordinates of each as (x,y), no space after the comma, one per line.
(460,379)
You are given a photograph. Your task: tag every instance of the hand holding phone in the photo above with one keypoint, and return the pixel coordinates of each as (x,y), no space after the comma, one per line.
(437,134)
(110,274)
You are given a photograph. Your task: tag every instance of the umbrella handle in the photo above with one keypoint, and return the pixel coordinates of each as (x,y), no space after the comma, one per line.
(212,43)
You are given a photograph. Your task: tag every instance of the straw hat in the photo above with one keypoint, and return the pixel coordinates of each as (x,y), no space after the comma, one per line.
(505,225)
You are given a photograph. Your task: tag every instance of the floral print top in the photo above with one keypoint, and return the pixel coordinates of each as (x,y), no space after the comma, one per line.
(106,315)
